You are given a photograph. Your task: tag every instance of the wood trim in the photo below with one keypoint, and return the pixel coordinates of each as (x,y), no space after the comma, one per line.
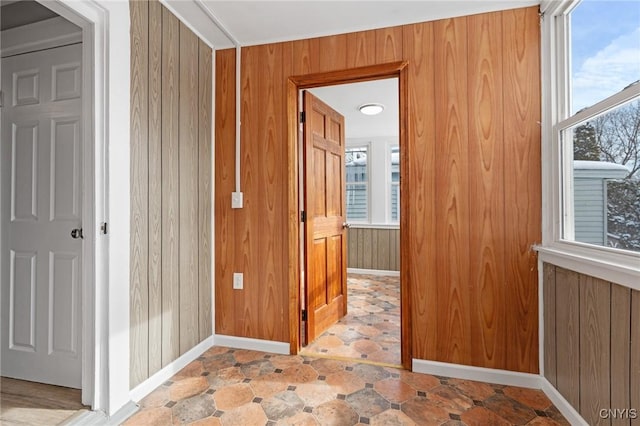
(352,75)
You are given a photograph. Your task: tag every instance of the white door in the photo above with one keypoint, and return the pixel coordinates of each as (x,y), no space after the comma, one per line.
(41,177)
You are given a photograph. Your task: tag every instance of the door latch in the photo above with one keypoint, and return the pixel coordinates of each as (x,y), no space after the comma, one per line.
(77,233)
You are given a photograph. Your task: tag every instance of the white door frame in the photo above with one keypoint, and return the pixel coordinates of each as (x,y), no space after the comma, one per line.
(105,287)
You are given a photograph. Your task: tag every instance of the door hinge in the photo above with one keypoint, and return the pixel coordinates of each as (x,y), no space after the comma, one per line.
(103,228)
(303,216)
(302,117)
(1,98)
(304,315)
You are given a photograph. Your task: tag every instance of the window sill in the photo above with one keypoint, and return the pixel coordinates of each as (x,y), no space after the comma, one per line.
(356,225)
(619,269)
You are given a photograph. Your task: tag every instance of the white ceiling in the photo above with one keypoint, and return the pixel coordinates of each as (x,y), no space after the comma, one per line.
(346,98)
(266,21)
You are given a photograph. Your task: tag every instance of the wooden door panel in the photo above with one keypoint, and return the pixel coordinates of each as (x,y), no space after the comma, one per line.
(324,204)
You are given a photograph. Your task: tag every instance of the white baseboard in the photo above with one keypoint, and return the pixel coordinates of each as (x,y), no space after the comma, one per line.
(562,404)
(466,372)
(146,387)
(379,272)
(251,344)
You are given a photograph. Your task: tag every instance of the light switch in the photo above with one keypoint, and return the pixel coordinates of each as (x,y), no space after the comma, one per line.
(236,200)
(238,279)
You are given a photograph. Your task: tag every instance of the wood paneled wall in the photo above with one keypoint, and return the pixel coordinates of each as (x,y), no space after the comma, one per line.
(592,343)
(373,248)
(472,180)
(171,116)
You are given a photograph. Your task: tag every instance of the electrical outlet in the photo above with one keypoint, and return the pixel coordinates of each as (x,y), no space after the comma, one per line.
(236,200)
(238,281)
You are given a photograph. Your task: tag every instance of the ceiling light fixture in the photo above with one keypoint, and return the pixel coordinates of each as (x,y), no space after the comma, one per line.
(371,109)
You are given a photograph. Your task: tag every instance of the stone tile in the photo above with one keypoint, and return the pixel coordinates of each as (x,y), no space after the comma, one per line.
(157,398)
(367,402)
(230,397)
(326,366)
(450,399)
(510,410)
(366,346)
(391,418)
(345,382)
(225,377)
(336,412)
(302,373)
(480,416)
(475,390)
(257,367)
(209,421)
(300,419)
(419,381)
(219,362)
(533,398)
(285,361)
(193,369)
(188,387)
(370,373)
(315,393)
(152,417)
(543,421)
(192,409)
(250,414)
(245,356)
(215,351)
(281,406)
(422,412)
(394,390)
(269,385)
(328,342)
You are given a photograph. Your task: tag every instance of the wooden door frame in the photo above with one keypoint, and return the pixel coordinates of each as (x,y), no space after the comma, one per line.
(353,75)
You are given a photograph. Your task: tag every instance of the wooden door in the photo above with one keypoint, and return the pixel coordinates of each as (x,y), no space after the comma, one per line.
(325,236)
(41,205)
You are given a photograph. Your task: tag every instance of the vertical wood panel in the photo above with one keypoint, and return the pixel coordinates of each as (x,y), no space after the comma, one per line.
(271,198)
(382,262)
(225,234)
(188,189)
(595,346)
(155,187)
(389,44)
(635,355)
(139,299)
(418,47)
(452,191)
(620,349)
(550,350)
(522,190)
(567,333)
(361,49)
(170,201)
(204,190)
(332,51)
(486,199)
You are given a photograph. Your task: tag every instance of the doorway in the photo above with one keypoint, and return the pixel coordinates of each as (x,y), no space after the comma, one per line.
(358,287)
(45,188)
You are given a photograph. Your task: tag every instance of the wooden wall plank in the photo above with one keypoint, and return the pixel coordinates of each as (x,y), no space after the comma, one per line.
(634,378)
(452,191)
(306,57)
(382,261)
(361,48)
(204,190)
(155,187)
(170,200)
(486,199)
(188,189)
(225,234)
(522,189)
(550,350)
(389,43)
(595,347)
(568,335)
(332,51)
(271,198)
(418,48)
(139,299)
(620,349)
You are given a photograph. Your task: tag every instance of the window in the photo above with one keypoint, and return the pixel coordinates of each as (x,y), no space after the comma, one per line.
(395,183)
(600,142)
(591,138)
(357,184)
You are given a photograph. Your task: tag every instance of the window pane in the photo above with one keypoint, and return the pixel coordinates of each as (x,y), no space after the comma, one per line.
(357,201)
(605,179)
(357,179)
(605,50)
(395,187)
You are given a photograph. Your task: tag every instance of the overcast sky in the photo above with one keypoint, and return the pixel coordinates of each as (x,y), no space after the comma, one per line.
(605,49)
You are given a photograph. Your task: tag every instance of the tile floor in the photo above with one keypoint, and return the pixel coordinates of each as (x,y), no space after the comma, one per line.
(241,387)
(371,329)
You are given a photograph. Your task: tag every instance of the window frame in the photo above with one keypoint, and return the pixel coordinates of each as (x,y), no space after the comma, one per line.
(611,264)
(390,183)
(367,220)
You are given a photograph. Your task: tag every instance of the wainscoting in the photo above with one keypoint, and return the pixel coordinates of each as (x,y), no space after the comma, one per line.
(373,248)
(171,77)
(592,343)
